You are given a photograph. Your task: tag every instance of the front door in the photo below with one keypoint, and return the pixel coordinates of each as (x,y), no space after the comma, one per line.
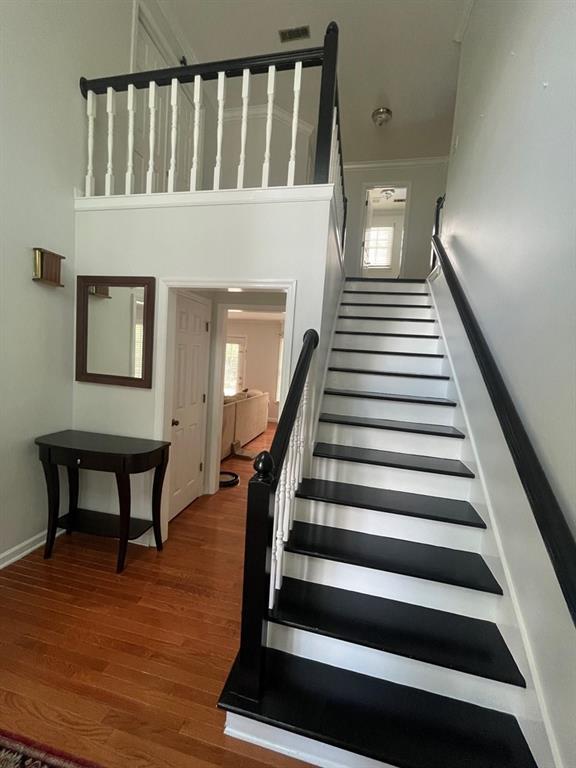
(191,341)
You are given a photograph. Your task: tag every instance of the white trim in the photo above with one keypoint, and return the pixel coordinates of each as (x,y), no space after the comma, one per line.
(21,550)
(299,747)
(306,193)
(260,111)
(411,161)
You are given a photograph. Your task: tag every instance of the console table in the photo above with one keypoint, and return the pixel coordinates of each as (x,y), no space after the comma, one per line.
(105,453)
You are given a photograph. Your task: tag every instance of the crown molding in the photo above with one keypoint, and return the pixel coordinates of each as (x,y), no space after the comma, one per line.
(412,161)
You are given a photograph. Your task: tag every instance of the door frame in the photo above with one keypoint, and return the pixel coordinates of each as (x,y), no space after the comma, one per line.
(169,391)
(366,187)
(162,411)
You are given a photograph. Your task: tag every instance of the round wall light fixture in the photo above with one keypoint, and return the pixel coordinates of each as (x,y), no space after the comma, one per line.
(381,115)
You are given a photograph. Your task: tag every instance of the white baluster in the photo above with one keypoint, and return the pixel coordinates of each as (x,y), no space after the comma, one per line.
(173,133)
(219,130)
(333,141)
(273,558)
(245,97)
(197,108)
(291,470)
(269,115)
(302,432)
(111,111)
(91,115)
(295,110)
(151,138)
(131,107)
(283,513)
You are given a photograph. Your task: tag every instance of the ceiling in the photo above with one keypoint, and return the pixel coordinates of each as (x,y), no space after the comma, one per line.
(395,53)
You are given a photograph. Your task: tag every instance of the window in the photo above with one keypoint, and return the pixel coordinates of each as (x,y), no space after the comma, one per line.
(279,374)
(378,247)
(137,336)
(234,365)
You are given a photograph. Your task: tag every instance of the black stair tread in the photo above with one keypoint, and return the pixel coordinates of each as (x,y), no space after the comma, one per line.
(398,335)
(385,721)
(395,502)
(385,293)
(387,319)
(371,304)
(341,369)
(391,396)
(409,558)
(438,430)
(386,352)
(394,459)
(437,637)
(384,280)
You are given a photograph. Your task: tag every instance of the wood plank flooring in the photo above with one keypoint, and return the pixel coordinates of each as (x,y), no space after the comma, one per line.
(125,670)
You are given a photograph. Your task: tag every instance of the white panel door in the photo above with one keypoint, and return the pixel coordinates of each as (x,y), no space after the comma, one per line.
(191,341)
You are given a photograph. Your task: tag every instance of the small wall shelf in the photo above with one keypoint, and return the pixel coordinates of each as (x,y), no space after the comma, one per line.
(47,267)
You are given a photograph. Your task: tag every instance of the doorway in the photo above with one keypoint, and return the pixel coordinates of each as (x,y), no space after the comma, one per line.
(383,239)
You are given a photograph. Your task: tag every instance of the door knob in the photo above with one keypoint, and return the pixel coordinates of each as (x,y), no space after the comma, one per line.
(175,422)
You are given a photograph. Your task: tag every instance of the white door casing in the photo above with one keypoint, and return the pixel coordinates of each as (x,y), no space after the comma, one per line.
(191,349)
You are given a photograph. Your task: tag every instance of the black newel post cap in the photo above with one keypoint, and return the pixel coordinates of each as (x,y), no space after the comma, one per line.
(264,465)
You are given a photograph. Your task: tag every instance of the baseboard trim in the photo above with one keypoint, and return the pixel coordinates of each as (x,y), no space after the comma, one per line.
(23,549)
(295,746)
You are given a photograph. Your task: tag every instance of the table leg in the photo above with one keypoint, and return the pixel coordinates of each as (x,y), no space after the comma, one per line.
(159,473)
(72,498)
(53,487)
(123,483)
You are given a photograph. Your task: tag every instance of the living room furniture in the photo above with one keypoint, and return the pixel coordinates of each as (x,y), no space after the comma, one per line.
(123,456)
(243,419)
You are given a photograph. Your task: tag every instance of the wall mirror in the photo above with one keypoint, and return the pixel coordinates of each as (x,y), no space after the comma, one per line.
(115,330)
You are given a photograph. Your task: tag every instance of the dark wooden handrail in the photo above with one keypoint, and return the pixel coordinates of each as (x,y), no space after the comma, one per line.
(310,57)
(547,512)
(259,531)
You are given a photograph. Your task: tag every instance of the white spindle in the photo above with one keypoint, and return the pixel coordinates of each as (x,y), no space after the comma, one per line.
(295,111)
(281,492)
(291,469)
(245,97)
(269,115)
(197,108)
(333,142)
(219,130)
(173,133)
(111,111)
(273,558)
(131,107)
(91,115)
(151,137)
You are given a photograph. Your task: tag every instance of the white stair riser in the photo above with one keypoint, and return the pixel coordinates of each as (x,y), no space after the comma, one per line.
(399,669)
(389,409)
(390,440)
(394,526)
(386,311)
(394,385)
(391,362)
(402,286)
(406,589)
(408,480)
(388,326)
(387,343)
(394,297)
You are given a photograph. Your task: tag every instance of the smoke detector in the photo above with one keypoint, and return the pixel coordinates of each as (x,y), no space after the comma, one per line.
(381,115)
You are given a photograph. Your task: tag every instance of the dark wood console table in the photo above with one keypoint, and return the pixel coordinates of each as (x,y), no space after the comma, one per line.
(106,453)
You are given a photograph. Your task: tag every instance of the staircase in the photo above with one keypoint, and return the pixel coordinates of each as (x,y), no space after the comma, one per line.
(393,639)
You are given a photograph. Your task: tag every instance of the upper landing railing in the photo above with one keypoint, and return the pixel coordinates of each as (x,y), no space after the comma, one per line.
(165,135)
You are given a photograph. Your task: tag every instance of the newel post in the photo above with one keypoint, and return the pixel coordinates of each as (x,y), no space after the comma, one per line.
(326,108)
(257,556)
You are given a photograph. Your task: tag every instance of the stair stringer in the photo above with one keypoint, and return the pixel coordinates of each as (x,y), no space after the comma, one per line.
(540,635)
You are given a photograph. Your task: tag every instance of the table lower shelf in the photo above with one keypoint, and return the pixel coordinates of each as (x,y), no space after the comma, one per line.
(103,524)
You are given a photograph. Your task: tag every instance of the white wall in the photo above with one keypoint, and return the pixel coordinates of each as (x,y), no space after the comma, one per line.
(509,222)
(249,235)
(45,48)
(425,180)
(262,355)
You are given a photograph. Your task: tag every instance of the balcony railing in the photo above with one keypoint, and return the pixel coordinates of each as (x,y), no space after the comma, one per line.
(161,149)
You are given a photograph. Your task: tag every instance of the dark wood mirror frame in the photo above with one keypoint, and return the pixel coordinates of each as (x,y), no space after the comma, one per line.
(83,284)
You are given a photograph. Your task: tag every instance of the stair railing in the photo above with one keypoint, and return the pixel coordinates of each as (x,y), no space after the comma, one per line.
(184,115)
(550,519)
(270,515)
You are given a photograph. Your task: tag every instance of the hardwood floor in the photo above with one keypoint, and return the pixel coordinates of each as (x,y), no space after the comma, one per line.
(125,670)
